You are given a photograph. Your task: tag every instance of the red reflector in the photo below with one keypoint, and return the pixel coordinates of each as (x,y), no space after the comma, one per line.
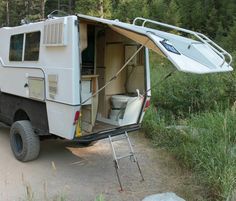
(77,114)
(147,105)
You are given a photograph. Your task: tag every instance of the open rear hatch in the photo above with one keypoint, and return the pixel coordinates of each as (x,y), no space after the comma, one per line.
(190,52)
(199,55)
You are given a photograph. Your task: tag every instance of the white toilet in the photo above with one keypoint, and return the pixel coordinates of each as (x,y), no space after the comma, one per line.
(119,103)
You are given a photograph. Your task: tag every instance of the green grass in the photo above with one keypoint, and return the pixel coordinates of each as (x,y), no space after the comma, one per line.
(100,198)
(194,117)
(210,151)
(205,144)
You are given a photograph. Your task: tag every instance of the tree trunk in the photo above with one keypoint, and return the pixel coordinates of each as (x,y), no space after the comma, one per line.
(58,4)
(27,5)
(101,9)
(42,10)
(70,7)
(7,13)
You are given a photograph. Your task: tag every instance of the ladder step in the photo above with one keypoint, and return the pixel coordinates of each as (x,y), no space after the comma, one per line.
(125,156)
(118,138)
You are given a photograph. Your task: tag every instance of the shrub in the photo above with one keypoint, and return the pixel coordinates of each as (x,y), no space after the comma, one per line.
(184,94)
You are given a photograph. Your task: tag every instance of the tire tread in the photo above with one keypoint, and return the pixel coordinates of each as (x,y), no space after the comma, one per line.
(31,142)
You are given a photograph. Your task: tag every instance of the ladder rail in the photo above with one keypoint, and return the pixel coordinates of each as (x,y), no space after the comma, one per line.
(216,48)
(116,158)
(113,152)
(130,147)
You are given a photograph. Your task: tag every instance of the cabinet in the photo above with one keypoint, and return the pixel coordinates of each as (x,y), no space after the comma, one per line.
(89,85)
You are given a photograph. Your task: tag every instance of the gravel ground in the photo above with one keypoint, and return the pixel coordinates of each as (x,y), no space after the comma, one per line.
(80,174)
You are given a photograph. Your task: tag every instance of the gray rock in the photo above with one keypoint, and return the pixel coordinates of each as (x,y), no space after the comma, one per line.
(163,197)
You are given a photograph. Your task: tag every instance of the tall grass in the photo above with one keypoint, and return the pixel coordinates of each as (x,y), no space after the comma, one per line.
(206,144)
(192,116)
(211,151)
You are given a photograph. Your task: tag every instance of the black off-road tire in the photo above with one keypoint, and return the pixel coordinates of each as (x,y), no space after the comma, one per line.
(25,144)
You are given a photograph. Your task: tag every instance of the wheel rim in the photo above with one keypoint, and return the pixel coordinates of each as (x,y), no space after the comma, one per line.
(18,143)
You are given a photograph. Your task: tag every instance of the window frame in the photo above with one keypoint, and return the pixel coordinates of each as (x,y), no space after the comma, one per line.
(25,40)
(24,47)
(10,45)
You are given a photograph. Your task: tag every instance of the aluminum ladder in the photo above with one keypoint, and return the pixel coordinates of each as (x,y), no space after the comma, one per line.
(116,158)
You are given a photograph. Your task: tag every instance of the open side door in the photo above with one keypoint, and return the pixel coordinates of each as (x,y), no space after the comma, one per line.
(199,55)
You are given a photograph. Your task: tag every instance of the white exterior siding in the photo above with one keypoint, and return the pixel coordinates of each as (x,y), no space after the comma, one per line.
(62,61)
(61,118)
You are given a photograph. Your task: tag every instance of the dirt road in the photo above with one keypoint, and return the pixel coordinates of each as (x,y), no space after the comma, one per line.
(81,174)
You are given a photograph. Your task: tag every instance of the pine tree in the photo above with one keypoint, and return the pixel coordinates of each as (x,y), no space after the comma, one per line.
(4,13)
(127,10)
(68,6)
(101,8)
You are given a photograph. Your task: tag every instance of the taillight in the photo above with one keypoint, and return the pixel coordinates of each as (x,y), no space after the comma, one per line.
(76,118)
(147,105)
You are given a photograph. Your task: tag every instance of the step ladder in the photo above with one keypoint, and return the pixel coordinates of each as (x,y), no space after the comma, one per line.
(117,158)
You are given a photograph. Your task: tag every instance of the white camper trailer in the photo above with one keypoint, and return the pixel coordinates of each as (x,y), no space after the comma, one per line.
(85,78)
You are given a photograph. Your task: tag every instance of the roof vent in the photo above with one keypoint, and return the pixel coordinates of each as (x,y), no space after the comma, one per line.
(55,32)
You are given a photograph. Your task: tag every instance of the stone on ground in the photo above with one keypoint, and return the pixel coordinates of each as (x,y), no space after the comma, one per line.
(163,197)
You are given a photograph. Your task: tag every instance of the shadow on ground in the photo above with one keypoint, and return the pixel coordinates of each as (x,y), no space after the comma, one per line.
(80,174)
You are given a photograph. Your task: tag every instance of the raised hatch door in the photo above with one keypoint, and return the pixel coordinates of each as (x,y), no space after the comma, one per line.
(192,53)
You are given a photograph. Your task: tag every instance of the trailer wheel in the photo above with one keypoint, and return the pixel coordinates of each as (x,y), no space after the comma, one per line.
(25,144)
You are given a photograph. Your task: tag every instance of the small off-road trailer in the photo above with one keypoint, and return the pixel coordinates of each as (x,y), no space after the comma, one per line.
(85,78)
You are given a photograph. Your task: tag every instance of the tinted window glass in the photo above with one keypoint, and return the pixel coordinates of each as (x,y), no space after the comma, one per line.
(16,46)
(32,44)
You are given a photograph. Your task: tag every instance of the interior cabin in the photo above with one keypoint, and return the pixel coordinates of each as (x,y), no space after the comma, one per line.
(103,54)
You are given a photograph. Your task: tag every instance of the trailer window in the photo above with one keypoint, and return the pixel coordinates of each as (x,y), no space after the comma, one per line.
(32,44)
(16,47)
